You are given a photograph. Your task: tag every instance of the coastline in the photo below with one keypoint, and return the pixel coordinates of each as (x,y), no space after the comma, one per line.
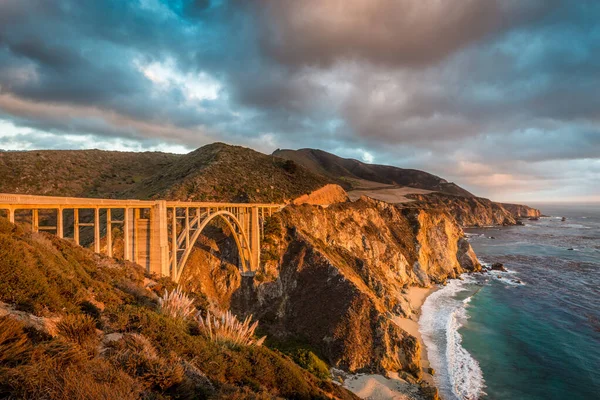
(379,387)
(416,296)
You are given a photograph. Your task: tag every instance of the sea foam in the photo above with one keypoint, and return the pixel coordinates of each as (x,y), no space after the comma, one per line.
(458,375)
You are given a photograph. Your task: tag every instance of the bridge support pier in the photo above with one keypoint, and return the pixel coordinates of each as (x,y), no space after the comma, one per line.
(60,229)
(126,234)
(255,239)
(97,230)
(159,240)
(76,226)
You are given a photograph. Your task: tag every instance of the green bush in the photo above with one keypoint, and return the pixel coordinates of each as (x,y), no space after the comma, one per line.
(313,364)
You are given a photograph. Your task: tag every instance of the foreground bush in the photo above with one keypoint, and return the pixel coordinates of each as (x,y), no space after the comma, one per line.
(176,304)
(225,328)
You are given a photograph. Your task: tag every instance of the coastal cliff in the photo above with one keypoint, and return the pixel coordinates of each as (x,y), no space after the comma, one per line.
(473,211)
(522,211)
(333,278)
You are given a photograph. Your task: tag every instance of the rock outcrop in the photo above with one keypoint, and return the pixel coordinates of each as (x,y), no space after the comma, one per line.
(468,211)
(521,211)
(333,278)
(328,194)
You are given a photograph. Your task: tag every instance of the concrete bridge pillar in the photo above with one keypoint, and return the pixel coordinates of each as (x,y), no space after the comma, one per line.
(60,230)
(159,240)
(127,234)
(255,240)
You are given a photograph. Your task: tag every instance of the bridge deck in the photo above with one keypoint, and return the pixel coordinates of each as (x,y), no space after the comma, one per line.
(33,201)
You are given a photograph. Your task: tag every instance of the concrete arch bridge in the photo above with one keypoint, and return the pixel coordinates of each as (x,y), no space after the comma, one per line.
(158,235)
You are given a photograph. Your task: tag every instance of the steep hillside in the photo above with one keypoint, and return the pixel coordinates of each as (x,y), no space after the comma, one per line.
(349,172)
(77,173)
(216,172)
(75,325)
(229,173)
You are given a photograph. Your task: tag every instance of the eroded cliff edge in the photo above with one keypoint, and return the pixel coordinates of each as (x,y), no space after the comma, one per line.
(473,211)
(333,278)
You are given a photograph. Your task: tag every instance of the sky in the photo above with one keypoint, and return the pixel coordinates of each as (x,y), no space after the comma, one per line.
(499,96)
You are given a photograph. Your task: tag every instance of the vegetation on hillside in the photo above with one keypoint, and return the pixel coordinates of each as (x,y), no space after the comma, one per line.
(219,172)
(77,173)
(81,326)
(216,172)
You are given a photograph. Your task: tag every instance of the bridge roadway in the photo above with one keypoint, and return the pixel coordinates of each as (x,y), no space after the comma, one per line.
(159,235)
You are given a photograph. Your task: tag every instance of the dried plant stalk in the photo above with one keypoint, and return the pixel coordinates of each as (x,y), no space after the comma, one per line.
(224,327)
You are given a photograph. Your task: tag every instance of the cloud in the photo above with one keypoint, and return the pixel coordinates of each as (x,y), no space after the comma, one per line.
(499,96)
(393,32)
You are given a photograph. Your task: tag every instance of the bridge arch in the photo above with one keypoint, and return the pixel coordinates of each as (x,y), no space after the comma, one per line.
(239,235)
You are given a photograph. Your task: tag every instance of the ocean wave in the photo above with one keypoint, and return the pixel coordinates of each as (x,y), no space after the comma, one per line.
(465,374)
(458,375)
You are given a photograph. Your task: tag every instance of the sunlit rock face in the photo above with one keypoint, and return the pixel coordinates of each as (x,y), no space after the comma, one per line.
(521,211)
(333,278)
(467,211)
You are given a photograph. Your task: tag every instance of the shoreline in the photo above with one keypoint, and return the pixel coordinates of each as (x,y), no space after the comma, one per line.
(379,387)
(416,296)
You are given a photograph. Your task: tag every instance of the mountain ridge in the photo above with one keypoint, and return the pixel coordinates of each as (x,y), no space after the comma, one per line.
(344,170)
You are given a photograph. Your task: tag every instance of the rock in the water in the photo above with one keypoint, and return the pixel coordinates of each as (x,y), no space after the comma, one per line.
(498,267)
(571,249)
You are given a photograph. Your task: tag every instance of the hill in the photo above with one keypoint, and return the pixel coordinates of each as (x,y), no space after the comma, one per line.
(78,173)
(408,188)
(352,174)
(216,172)
(222,172)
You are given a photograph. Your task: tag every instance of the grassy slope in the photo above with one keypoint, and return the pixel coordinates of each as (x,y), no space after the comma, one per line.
(214,172)
(152,356)
(349,172)
(230,173)
(82,173)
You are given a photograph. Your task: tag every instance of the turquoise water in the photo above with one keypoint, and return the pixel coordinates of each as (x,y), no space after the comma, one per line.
(530,333)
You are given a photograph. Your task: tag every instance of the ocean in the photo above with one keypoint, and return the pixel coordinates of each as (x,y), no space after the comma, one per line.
(532,332)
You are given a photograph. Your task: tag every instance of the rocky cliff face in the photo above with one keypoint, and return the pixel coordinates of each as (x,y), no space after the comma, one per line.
(521,211)
(333,278)
(468,211)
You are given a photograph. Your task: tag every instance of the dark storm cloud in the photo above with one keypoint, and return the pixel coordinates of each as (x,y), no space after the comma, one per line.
(495,94)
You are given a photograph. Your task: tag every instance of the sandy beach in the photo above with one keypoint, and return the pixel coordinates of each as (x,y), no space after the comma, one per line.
(378,387)
(416,297)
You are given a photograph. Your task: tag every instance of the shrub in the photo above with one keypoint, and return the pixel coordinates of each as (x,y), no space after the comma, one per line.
(13,341)
(224,327)
(313,364)
(48,378)
(138,357)
(79,328)
(176,304)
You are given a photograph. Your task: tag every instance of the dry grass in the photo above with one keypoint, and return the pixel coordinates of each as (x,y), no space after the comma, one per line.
(13,342)
(225,328)
(176,304)
(139,358)
(78,328)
